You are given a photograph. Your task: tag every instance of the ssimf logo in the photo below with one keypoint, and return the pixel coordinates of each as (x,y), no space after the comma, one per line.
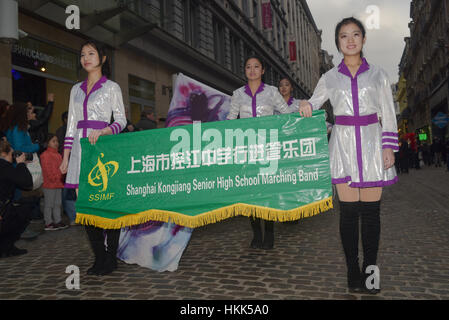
(99,177)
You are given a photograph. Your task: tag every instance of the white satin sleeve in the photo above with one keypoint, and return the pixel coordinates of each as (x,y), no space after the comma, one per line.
(72,121)
(320,94)
(279,103)
(118,110)
(235,106)
(388,115)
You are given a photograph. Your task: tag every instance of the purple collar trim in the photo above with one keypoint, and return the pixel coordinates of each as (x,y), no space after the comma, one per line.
(259,90)
(96,86)
(248,92)
(290,101)
(342,68)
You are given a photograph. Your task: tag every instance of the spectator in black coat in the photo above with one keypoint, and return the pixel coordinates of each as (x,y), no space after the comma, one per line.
(39,123)
(60,132)
(15,215)
(147,121)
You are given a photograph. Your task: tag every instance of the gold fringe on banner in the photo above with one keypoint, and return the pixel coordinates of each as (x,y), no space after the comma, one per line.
(238,209)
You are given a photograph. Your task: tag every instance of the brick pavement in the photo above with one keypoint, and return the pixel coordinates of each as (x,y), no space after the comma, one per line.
(307,262)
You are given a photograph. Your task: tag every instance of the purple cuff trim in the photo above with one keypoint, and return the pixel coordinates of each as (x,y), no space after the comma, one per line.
(116,128)
(356,121)
(386,146)
(390,141)
(365,184)
(71,186)
(390,134)
(68,138)
(68,147)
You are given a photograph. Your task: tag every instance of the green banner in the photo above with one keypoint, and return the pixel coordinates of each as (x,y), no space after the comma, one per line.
(274,167)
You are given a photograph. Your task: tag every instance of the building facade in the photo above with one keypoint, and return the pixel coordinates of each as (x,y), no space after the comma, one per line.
(425,67)
(303,31)
(149,41)
(400,98)
(401,93)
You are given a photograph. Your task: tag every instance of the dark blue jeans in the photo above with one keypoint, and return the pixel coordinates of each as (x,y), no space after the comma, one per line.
(68,205)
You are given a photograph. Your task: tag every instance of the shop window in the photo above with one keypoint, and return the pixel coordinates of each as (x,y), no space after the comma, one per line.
(141,96)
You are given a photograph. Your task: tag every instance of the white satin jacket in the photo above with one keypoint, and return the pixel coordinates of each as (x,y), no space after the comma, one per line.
(365,124)
(265,102)
(88,112)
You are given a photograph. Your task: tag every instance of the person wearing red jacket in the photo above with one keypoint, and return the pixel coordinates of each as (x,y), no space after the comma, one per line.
(51,159)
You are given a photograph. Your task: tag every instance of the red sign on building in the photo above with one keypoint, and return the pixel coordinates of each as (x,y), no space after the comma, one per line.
(292,47)
(267,19)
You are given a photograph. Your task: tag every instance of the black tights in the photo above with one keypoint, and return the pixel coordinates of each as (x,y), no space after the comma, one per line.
(369,213)
(96,238)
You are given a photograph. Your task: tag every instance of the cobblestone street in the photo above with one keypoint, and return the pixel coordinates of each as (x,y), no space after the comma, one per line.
(307,262)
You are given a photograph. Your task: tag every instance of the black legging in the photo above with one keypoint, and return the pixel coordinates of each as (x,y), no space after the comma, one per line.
(369,213)
(15,220)
(96,238)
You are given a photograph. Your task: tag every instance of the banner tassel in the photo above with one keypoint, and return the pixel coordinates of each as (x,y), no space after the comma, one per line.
(214,216)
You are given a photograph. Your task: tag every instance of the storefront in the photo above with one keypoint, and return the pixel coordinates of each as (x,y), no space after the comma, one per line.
(423,135)
(40,67)
(439,105)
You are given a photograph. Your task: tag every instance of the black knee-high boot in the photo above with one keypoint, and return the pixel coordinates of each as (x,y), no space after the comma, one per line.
(370,216)
(257,232)
(110,262)
(268,238)
(349,233)
(96,240)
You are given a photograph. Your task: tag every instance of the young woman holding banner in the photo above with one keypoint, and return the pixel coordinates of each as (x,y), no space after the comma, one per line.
(92,103)
(286,90)
(360,148)
(256,99)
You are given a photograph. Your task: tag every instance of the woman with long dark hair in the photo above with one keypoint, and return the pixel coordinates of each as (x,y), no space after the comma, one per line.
(361,147)
(92,103)
(257,99)
(17,133)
